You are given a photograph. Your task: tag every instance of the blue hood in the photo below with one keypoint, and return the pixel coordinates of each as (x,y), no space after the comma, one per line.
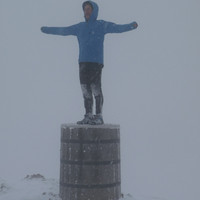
(95,11)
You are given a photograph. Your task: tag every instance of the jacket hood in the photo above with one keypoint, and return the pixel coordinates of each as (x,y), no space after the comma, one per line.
(95,11)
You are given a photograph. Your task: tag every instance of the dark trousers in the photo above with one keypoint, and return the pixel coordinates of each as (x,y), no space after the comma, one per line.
(90,80)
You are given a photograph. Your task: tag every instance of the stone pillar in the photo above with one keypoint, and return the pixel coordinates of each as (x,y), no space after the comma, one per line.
(90,162)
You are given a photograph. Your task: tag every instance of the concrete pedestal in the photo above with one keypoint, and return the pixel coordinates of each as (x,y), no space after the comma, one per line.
(90,162)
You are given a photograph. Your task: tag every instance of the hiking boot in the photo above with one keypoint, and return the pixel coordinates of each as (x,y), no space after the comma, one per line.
(87,119)
(97,120)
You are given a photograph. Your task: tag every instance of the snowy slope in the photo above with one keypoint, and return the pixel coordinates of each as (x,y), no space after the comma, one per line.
(36,187)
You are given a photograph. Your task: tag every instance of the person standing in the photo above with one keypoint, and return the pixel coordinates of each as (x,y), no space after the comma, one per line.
(90,35)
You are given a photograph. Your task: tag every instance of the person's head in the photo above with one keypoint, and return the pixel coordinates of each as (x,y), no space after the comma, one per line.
(87,9)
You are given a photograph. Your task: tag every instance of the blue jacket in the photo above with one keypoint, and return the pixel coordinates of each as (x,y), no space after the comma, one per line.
(90,35)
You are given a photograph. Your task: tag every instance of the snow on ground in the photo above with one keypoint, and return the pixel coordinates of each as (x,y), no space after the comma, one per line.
(34,187)
(37,187)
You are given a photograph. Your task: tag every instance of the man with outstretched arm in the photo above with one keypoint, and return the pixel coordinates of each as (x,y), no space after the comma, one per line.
(90,35)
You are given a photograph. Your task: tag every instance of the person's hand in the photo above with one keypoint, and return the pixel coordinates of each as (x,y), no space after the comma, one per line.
(43,29)
(135,25)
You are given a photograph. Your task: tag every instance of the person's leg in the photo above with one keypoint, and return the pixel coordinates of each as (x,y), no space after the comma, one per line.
(85,87)
(88,98)
(96,87)
(87,93)
(97,92)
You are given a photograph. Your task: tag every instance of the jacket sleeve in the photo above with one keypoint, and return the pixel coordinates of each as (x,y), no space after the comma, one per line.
(70,30)
(110,27)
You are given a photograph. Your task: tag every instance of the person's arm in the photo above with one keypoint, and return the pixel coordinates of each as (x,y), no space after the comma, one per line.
(110,27)
(70,30)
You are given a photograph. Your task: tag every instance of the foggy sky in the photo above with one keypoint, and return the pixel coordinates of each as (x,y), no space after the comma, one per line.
(150,83)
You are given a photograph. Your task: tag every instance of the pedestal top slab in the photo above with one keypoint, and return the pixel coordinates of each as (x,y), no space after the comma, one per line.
(87,126)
